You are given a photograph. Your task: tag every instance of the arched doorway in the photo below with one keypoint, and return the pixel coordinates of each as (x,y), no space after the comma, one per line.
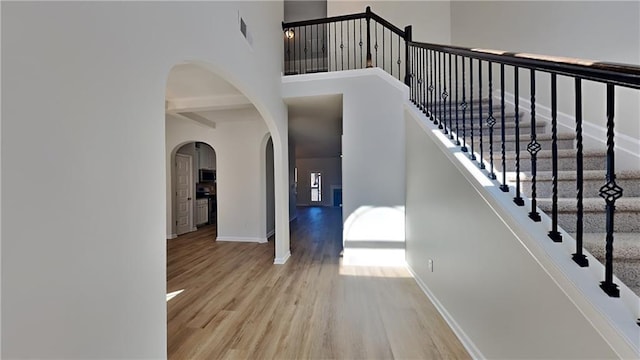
(194,187)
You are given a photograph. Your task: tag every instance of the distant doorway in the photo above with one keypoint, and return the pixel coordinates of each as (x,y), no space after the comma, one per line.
(337,197)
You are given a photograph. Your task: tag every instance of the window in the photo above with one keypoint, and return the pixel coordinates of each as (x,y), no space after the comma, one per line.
(316,187)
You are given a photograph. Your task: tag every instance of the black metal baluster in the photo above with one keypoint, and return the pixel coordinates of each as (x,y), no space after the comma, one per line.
(317,48)
(491,122)
(361,43)
(533,148)
(355,48)
(504,187)
(348,55)
(305,50)
(431,86)
(383,67)
(434,84)
(610,192)
(481,159)
(375,47)
(579,257)
(516,82)
(341,46)
(457,104)
(463,107)
(554,234)
(335,45)
(399,61)
(472,154)
(443,122)
(325,66)
(450,98)
(439,94)
(425,76)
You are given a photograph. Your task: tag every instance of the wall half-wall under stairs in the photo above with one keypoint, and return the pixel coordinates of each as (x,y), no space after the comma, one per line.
(503,286)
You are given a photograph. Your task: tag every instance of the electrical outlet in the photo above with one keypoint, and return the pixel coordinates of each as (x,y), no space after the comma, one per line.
(431,265)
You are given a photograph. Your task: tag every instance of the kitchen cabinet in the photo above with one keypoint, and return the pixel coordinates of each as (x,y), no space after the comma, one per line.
(202,211)
(206,157)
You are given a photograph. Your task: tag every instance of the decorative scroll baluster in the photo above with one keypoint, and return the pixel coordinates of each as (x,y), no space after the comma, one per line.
(481,159)
(533,148)
(449,104)
(472,154)
(457,102)
(375,46)
(341,47)
(438,101)
(579,257)
(504,187)
(516,72)
(361,43)
(432,88)
(399,61)
(554,234)
(335,42)
(443,124)
(491,122)
(383,67)
(306,62)
(463,107)
(425,67)
(324,48)
(610,192)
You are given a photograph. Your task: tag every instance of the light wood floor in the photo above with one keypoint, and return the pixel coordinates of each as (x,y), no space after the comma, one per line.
(237,304)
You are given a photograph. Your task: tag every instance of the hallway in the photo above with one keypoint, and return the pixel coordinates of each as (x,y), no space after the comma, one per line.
(236,304)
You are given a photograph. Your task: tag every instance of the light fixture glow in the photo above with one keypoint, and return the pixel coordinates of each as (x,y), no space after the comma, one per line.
(289,33)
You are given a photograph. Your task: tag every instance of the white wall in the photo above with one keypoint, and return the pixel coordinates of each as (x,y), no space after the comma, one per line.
(331,169)
(240,185)
(83,101)
(489,285)
(593,30)
(297,10)
(430,20)
(373,171)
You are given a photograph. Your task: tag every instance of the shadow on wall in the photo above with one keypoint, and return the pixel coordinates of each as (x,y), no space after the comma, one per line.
(375,235)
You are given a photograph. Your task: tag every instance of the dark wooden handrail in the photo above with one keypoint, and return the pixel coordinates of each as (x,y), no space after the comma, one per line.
(626,75)
(364,15)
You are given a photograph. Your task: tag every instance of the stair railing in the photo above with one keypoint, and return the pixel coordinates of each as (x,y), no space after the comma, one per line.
(449,61)
(354,41)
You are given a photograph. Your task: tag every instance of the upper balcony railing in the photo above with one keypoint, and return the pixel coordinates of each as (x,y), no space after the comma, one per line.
(463,91)
(346,42)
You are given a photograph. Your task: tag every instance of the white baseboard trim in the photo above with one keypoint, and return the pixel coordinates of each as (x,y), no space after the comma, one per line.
(462,336)
(241,239)
(282,260)
(593,134)
(172,236)
(195,228)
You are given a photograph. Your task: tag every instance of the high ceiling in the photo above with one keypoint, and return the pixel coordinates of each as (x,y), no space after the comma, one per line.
(196,94)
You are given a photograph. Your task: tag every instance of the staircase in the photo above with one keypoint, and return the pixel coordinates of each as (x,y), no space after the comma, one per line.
(627,216)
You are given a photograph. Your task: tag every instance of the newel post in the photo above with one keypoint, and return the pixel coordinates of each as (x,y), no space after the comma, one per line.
(407,64)
(368,17)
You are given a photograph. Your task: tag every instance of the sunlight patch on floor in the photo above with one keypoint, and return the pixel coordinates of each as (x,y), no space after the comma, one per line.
(171,295)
